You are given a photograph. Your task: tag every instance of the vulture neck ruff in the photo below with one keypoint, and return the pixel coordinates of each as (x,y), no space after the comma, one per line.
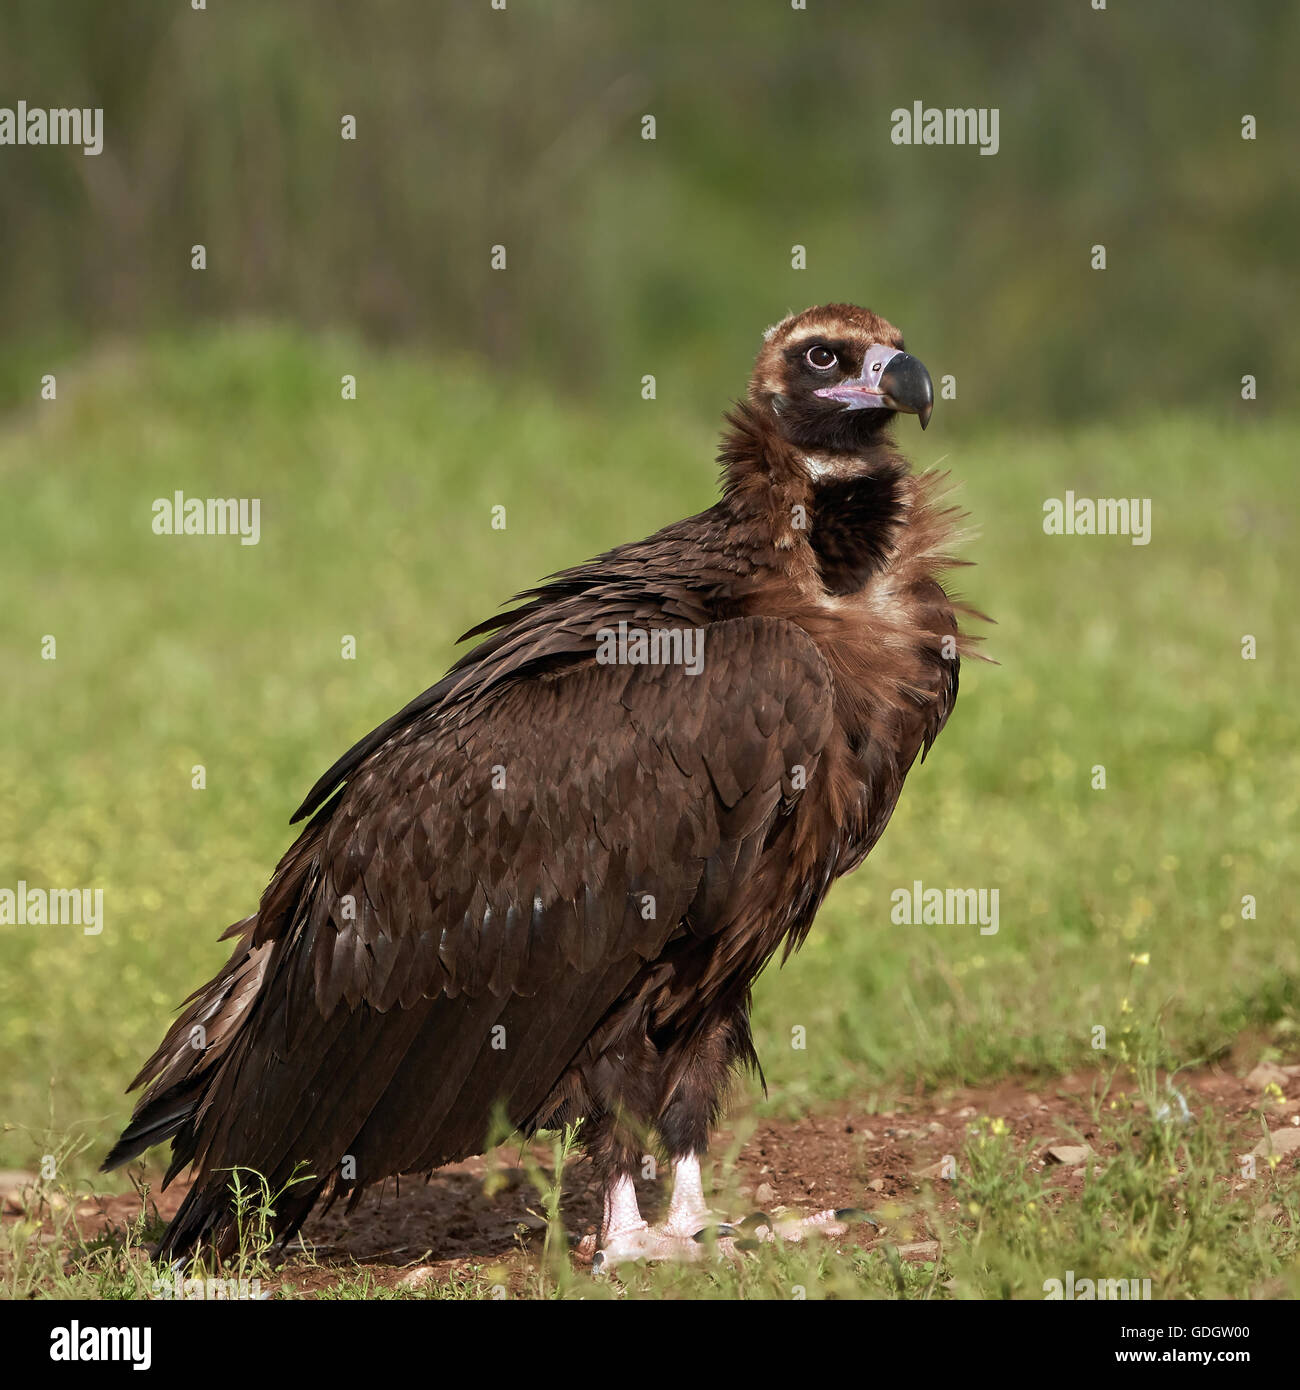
(843,511)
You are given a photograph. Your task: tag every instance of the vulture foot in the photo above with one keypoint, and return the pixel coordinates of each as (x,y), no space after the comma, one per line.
(690,1232)
(652,1243)
(669,1243)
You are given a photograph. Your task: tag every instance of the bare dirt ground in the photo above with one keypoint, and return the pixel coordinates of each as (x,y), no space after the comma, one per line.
(447,1226)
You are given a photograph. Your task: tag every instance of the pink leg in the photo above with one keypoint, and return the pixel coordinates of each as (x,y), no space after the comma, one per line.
(688,1212)
(622,1215)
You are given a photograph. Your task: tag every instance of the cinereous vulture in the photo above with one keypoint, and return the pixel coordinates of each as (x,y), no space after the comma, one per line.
(544,889)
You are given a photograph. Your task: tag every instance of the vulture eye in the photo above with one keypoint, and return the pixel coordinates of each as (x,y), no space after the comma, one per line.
(820,357)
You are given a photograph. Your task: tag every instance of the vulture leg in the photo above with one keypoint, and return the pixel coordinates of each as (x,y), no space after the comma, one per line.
(688,1213)
(622,1217)
(689,1229)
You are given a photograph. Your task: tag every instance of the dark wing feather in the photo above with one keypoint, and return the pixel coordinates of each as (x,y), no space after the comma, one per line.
(478,896)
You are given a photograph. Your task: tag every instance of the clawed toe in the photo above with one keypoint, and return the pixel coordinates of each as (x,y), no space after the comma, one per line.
(831,1222)
(758,1226)
(645,1243)
(722,1231)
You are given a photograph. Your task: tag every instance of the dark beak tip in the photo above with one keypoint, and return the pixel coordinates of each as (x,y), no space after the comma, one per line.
(909,387)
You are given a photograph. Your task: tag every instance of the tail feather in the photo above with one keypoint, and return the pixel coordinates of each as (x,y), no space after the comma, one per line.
(210,1037)
(161,1119)
(206,1218)
(195,1045)
(178,1076)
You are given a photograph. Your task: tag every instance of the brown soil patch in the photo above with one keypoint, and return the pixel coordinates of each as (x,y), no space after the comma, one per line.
(447,1227)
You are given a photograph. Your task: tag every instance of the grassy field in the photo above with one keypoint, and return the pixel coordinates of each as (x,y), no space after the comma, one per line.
(1119,908)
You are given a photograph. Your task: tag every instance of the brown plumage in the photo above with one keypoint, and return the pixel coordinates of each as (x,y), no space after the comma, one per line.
(548,883)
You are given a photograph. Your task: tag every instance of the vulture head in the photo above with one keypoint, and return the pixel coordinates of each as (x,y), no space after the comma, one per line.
(831,379)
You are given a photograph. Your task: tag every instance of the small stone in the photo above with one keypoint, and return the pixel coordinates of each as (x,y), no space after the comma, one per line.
(1279,1141)
(19,1191)
(417,1277)
(1069,1154)
(919,1250)
(764,1193)
(876,1185)
(1267,1074)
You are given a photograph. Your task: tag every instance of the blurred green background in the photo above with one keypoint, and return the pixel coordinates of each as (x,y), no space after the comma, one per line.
(522,387)
(523,127)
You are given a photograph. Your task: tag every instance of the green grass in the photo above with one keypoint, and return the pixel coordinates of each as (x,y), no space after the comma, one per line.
(1156,1207)
(376,522)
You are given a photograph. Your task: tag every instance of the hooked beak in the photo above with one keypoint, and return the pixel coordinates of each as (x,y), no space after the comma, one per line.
(890,380)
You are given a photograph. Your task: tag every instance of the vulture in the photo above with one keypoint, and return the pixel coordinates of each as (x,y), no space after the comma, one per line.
(543,890)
